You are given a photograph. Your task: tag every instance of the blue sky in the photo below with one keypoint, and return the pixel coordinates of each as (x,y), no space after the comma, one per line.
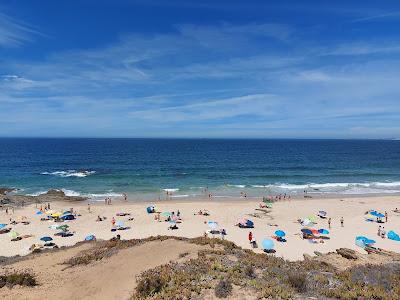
(256,69)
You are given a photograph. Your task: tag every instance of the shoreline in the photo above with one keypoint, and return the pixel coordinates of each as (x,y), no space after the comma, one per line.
(226,213)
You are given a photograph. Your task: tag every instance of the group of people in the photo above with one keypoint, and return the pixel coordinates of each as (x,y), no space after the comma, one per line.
(107,201)
(381,231)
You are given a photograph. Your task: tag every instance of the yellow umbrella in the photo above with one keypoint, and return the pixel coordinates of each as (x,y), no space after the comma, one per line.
(56,215)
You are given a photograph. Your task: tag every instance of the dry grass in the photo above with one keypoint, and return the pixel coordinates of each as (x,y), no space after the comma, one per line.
(12,279)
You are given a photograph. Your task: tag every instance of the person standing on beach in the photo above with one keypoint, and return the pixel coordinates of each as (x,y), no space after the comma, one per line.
(341,221)
(379,230)
(125,197)
(329,223)
(386,216)
(250,236)
(88,207)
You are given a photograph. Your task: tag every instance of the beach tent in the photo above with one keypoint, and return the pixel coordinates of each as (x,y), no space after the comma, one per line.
(376,214)
(46,239)
(322,214)
(2,226)
(323,231)
(280,233)
(393,236)
(267,244)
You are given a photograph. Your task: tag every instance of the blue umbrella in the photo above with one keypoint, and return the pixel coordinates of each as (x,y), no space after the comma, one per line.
(39,212)
(377,214)
(249,223)
(46,239)
(119,224)
(365,240)
(90,237)
(393,236)
(323,231)
(322,213)
(306,231)
(2,226)
(280,233)
(212,224)
(267,244)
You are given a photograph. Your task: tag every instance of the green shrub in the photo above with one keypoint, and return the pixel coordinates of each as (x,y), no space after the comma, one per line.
(223,289)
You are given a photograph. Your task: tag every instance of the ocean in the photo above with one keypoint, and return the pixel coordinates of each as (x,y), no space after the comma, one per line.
(146,168)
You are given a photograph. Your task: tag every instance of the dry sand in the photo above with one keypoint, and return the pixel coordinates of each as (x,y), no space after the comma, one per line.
(226,213)
(111,278)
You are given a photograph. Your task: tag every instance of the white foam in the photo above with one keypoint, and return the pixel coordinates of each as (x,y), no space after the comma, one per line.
(179,196)
(240,186)
(70,173)
(71,193)
(37,193)
(103,195)
(170,190)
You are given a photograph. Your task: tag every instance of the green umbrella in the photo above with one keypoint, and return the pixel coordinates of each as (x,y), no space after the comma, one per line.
(63,227)
(166,214)
(312,219)
(13,234)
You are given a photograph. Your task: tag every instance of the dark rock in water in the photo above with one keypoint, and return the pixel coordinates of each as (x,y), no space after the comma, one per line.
(347,253)
(50,196)
(4,190)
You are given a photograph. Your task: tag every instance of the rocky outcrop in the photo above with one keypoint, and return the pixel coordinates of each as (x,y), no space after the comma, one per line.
(50,196)
(345,258)
(5,190)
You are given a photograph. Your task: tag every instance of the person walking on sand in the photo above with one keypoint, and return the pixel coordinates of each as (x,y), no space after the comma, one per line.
(329,223)
(125,197)
(113,221)
(386,216)
(341,221)
(379,230)
(250,237)
(88,207)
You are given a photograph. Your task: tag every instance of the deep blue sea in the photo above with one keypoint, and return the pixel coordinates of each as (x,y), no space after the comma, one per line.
(101,167)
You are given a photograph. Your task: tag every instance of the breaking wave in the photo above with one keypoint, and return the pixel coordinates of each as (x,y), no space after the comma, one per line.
(70,173)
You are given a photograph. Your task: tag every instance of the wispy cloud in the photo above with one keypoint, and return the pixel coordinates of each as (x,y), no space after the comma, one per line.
(378,17)
(14,32)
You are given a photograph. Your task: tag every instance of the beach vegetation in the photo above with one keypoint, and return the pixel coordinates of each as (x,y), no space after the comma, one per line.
(13,279)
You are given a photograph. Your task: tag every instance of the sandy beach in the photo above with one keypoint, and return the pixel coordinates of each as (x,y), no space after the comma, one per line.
(283,214)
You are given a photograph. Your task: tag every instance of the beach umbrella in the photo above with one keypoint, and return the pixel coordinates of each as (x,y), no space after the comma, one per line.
(306,231)
(56,215)
(306,222)
(150,209)
(323,231)
(365,240)
(2,226)
(280,233)
(39,212)
(63,227)
(267,244)
(166,214)
(212,224)
(90,237)
(377,214)
(46,239)
(49,212)
(322,213)
(393,236)
(312,219)
(119,224)
(68,217)
(13,234)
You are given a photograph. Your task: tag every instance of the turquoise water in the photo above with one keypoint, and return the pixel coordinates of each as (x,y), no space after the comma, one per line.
(101,167)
